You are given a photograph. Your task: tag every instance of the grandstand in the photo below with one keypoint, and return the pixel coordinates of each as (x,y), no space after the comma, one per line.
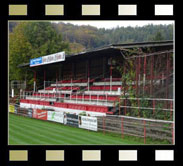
(91,82)
(117,86)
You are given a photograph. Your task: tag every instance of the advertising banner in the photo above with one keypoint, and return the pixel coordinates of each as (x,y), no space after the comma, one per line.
(71,120)
(36,61)
(12,108)
(56,116)
(89,123)
(60,56)
(39,114)
(22,111)
(57,57)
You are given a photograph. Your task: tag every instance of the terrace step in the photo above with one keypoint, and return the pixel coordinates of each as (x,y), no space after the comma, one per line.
(94,103)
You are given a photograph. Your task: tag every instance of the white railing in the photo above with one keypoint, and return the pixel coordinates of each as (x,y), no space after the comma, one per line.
(72,97)
(156,107)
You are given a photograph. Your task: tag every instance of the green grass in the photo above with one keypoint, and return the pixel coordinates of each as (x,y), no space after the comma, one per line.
(27,131)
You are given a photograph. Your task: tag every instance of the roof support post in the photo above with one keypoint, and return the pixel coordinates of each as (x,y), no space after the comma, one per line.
(124,83)
(34,80)
(88,63)
(104,67)
(137,72)
(111,75)
(152,66)
(56,81)
(44,79)
(139,86)
(144,79)
(167,77)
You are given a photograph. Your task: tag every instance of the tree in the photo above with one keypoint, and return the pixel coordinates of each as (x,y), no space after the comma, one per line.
(158,37)
(20,50)
(44,38)
(31,40)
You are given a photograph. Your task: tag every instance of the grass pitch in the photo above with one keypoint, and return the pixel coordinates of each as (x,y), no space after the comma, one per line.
(27,131)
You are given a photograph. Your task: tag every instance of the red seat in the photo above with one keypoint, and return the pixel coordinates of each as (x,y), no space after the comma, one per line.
(72,106)
(107,88)
(111,113)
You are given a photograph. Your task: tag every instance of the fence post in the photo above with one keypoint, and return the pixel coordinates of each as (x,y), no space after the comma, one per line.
(103,125)
(165,111)
(122,128)
(171,109)
(138,107)
(125,106)
(162,79)
(172,133)
(119,106)
(144,132)
(144,79)
(153,107)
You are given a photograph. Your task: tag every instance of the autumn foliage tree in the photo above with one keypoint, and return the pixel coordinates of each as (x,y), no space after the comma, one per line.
(31,40)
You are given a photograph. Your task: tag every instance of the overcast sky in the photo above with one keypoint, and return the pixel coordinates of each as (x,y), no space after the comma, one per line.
(121,23)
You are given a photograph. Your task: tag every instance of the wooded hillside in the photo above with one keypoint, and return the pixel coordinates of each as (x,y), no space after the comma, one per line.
(29,40)
(88,37)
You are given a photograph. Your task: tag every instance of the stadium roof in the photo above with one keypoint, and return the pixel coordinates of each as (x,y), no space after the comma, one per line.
(114,47)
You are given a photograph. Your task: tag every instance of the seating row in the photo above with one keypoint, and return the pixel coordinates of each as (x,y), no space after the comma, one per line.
(48,95)
(84,107)
(46,103)
(95,97)
(107,88)
(76,81)
(85,97)
(63,88)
